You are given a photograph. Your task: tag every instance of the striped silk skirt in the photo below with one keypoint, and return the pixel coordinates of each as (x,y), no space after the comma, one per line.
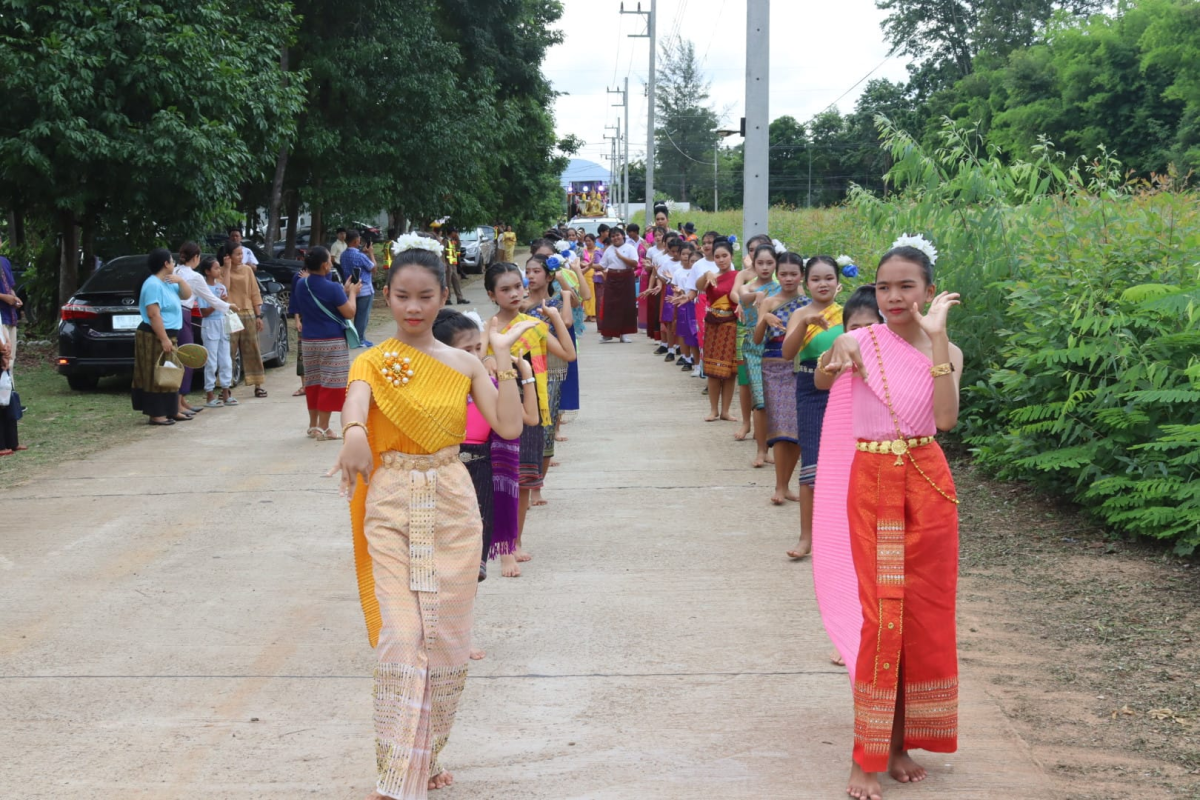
(720,346)
(326,368)
(810,414)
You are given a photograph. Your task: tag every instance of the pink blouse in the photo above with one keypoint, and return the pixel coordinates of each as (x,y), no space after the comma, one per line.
(478,429)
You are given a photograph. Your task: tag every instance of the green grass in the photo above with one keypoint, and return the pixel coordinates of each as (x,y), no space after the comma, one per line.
(61,424)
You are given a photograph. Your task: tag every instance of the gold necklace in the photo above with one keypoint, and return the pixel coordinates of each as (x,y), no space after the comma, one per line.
(900,445)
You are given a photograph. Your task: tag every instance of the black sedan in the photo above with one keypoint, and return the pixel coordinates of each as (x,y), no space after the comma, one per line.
(96,326)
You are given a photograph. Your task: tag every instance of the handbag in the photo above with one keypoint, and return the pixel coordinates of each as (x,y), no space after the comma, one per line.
(233,323)
(14,410)
(348,330)
(6,388)
(167,377)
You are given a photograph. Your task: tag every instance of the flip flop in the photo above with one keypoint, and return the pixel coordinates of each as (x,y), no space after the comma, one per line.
(260,392)
(164,422)
(214,403)
(299,393)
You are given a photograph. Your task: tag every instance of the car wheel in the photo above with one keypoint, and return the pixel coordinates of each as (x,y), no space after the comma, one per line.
(237,369)
(281,344)
(83,383)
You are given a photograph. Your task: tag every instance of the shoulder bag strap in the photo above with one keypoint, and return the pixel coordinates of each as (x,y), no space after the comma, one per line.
(342,320)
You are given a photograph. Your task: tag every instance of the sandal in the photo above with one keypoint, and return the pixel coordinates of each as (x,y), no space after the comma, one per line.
(214,403)
(6,453)
(164,422)
(259,391)
(231,401)
(20,448)
(314,433)
(299,393)
(329,435)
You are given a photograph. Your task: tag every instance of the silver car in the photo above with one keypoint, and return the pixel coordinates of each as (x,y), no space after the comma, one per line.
(478,248)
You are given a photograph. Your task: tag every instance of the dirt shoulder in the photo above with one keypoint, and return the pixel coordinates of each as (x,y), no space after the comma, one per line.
(1088,645)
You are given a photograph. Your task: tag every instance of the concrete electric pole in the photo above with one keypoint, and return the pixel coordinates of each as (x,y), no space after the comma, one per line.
(651,20)
(758,118)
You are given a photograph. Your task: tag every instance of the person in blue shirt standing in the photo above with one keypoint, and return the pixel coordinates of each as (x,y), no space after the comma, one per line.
(10,306)
(324,307)
(162,317)
(357,268)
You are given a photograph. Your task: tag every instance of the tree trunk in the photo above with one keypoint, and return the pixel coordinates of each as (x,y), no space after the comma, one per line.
(293,209)
(89,247)
(16,224)
(68,261)
(316,229)
(280,169)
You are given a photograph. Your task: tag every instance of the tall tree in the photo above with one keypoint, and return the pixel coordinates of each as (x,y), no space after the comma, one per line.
(685,129)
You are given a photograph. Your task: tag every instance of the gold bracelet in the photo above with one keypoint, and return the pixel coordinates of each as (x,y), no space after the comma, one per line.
(507,375)
(350,425)
(941,369)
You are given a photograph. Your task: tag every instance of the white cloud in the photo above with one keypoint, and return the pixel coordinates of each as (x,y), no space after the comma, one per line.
(818,51)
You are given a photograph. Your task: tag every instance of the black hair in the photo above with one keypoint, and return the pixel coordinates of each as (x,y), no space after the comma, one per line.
(551,272)
(791,258)
(909,254)
(159,257)
(618,229)
(815,260)
(232,231)
(351,235)
(343,230)
(602,228)
(591,236)
(863,298)
(537,244)
(206,263)
(416,257)
(758,237)
(450,323)
(724,244)
(633,228)
(770,248)
(188,251)
(713,234)
(495,271)
(316,258)
(673,241)
(663,208)
(688,247)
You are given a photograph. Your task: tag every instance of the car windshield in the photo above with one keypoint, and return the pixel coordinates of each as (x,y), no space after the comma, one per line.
(469,236)
(486,234)
(124,274)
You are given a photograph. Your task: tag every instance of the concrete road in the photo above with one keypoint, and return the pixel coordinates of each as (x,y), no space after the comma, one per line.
(180,620)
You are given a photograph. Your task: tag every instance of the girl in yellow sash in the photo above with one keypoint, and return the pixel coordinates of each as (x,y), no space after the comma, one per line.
(417,529)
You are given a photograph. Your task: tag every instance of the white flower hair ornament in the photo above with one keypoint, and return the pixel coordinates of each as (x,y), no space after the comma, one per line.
(844,261)
(918,242)
(780,247)
(411,241)
(562,245)
(473,315)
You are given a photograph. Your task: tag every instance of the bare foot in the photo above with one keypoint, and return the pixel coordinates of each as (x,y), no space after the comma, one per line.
(802,550)
(536,499)
(522,556)
(792,496)
(727,418)
(904,770)
(759,459)
(560,438)
(554,463)
(742,434)
(770,458)
(441,780)
(711,418)
(478,655)
(864,785)
(836,659)
(509,567)
(777,499)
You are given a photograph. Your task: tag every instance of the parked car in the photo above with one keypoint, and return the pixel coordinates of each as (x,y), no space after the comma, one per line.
(478,248)
(96,326)
(303,238)
(370,233)
(590,224)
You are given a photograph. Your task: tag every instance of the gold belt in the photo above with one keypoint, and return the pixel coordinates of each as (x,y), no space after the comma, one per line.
(397,460)
(895,447)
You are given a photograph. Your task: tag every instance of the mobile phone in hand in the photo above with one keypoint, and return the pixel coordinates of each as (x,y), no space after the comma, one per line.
(356,276)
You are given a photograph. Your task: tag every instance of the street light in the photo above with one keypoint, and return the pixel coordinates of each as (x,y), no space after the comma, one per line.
(721,134)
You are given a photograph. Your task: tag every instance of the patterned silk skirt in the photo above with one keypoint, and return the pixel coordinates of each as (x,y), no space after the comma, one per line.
(326,368)
(720,347)
(810,413)
(779,390)
(423,534)
(506,472)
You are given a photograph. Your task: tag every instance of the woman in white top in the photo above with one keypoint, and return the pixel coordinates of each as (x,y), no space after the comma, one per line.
(185,268)
(618,317)
(668,266)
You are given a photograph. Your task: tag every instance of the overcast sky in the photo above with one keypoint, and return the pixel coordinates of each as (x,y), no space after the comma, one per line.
(818,51)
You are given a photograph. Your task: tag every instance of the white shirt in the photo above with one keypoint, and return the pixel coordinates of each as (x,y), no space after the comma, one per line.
(248,256)
(336,249)
(703,267)
(686,277)
(666,270)
(200,288)
(610,260)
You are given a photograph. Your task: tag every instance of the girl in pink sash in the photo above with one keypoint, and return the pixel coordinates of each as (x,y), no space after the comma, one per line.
(902,508)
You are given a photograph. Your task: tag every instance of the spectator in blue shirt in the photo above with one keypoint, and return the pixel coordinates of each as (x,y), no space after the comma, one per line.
(358,267)
(324,307)
(10,305)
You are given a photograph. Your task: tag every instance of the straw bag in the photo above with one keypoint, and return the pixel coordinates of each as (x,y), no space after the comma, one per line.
(167,376)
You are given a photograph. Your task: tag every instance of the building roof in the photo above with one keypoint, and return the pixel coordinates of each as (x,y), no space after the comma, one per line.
(583,170)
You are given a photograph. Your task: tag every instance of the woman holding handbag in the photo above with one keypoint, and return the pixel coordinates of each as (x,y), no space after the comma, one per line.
(326,311)
(157,337)
(10,410)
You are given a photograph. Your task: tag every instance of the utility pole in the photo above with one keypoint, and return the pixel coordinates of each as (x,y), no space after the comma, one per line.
(612,161)
(622,194)
(651,21)
(809,149)
(758,117)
